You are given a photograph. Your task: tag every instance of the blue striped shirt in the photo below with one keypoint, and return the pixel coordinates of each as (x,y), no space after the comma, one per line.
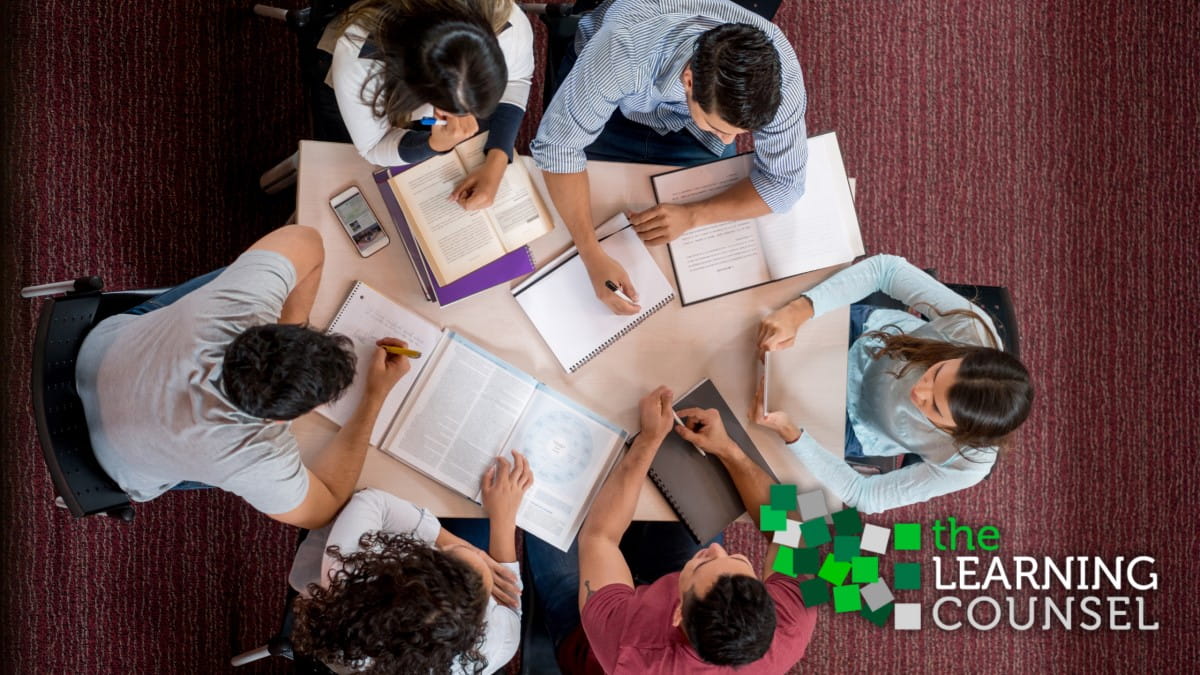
(632,54)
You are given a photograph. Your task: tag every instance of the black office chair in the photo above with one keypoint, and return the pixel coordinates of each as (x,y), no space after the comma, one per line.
(309,24)
(281,643)
(82,486)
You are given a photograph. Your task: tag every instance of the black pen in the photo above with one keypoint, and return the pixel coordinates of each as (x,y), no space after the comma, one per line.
(615,289)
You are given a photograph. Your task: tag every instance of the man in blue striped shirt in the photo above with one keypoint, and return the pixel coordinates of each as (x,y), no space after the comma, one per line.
(673,82)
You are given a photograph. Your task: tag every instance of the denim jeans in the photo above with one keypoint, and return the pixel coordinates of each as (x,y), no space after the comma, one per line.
(652,550)
(476,531)
(167,297)
(623,140)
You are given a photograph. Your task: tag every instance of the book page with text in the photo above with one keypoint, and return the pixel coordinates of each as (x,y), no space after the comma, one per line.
(517,213)
(465,409)
(570,450)
(456,241)
(366,316)
(820,229)
(719,258)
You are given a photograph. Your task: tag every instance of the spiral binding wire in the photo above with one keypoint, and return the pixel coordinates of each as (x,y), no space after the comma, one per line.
(674,505)
(624,331)
(345,306)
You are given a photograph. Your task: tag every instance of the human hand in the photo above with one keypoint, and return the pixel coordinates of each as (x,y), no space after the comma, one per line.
(504,583)
(503,486)
(458,128)
(775,421)
(602,268)
(705,430)
(386,368)
(656,415)
(478,189)
(664,223)
(778,329)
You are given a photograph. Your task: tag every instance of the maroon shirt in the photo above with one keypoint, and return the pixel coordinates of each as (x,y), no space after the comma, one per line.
(630,631)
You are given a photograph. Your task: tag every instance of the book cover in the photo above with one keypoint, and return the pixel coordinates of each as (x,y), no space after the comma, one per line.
(510,266)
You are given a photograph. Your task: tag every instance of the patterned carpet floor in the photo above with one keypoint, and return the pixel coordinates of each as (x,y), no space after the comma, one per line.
(1050,146)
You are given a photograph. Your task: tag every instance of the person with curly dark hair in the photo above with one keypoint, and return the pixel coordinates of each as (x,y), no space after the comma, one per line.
(612,609)
(388,588)
(195,387)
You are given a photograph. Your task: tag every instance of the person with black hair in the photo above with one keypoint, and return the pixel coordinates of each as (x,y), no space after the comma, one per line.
(466,65)
(389,588)
(710,614)
(672,82)
(195,387)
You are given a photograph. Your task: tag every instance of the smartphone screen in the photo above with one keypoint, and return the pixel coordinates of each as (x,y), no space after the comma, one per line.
(360,223)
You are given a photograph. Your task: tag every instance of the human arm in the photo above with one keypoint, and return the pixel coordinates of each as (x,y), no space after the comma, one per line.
(571,196)
(304,248)
(909,485)
(601,562)
(705,429)
(334,470)
(665,222)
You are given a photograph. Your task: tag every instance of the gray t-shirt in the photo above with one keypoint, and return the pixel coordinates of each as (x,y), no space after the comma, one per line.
(151,391)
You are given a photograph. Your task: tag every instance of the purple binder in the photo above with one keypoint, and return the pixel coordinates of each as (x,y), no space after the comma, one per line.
(511,265)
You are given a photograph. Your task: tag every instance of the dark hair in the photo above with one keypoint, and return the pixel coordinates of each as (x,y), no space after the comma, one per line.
(992,395)
(281,371)
(735,74)
(733,624)
(397,605)
(441,52)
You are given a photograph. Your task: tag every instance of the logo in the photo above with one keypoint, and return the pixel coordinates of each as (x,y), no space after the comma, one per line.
(846,562)
(848,568)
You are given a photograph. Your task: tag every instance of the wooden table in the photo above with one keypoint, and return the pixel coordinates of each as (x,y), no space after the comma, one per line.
(677,346)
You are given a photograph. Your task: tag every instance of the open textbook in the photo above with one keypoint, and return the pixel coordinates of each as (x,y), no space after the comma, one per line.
(820,230)
(460,407)
(455,241)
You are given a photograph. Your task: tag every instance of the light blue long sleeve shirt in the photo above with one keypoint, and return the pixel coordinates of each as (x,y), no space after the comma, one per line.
(885,420)
(631,56)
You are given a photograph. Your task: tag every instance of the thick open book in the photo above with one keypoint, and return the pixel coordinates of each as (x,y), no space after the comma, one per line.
(819,231)
(455,241)
(461,407)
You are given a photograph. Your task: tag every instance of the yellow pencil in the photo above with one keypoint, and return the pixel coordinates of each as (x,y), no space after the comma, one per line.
(410,353)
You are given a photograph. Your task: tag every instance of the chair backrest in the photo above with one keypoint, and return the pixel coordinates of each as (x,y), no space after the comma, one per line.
(58,412)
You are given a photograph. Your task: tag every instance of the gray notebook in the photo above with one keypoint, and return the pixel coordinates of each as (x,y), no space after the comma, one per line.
(698,488)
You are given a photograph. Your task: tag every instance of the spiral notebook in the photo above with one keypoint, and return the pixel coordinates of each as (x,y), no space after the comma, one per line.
(698,487)
(560,302)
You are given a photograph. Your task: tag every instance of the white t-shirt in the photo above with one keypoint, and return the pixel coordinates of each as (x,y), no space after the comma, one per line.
(374,137)
(151,391)
(373,510)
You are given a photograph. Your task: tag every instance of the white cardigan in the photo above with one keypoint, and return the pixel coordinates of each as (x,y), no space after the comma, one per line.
(376,140)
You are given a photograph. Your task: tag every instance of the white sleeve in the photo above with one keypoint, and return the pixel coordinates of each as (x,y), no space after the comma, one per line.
(516,42)
(503,635)
(372,510)
(874,494)
(374,137)
(896,277)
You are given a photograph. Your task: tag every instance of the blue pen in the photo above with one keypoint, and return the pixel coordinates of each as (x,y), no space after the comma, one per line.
(428,121)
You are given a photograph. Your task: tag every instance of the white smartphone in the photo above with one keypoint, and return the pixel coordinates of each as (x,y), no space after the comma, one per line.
(359,221)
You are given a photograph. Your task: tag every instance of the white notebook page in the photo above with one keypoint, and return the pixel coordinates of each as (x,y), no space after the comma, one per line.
(568,315)
(365,317)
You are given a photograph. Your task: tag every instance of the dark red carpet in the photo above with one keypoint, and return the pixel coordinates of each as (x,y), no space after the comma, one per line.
(1045,145)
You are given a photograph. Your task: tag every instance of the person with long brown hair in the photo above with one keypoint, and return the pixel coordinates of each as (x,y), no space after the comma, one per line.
(460,65)
(938,386)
